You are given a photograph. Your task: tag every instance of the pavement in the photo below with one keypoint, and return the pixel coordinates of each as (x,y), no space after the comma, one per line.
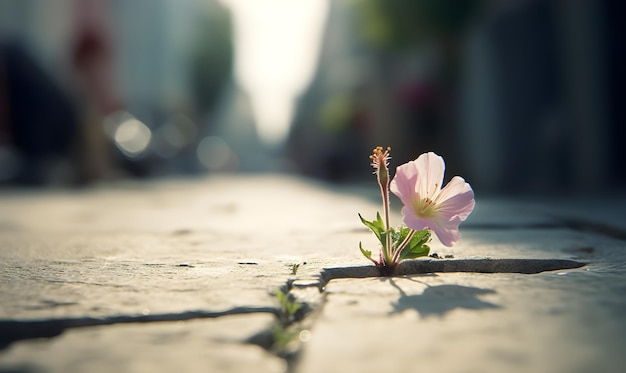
(262,273)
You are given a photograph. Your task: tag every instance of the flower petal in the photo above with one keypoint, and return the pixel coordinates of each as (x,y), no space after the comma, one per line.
(430,170)
(412,221)
(403,183)
(448,231)
(456,199)
(418,184)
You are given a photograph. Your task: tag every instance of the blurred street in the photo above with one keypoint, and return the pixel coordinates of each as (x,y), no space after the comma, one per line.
(180,183)
(523,97)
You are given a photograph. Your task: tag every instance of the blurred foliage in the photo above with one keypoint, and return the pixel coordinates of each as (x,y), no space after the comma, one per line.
(336,112)
(397,24)
(212,59)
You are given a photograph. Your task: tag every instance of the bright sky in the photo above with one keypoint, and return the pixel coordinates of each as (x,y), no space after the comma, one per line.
(277,44)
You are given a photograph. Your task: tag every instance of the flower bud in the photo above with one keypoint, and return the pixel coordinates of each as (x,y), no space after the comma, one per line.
(380,162)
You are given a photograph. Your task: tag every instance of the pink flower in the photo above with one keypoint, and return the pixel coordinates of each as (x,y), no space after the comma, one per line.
(418,185)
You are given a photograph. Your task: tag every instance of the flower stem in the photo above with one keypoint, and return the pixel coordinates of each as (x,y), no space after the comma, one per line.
(380,158)
(396,255)
(384,190)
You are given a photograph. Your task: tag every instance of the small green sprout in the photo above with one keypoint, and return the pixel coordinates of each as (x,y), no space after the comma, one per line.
(295,267)
(282,336)
(288,306)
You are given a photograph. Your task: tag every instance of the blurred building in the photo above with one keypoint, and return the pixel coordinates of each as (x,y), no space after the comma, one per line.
(519,97)
(328,139)
(537,94)
(387,76)
(158,66)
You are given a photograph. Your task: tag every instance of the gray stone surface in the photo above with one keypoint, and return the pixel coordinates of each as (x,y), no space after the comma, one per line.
(180,274)
(179,346)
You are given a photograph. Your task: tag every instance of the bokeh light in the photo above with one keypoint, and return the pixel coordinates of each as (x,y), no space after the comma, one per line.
(215,154)
(178,132)
(132,137)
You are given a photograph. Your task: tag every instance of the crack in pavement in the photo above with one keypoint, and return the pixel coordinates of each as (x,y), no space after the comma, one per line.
(297,287)
(16,330)
(486,265)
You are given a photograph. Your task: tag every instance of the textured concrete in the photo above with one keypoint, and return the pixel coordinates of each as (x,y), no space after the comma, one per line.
(181,275)
(178,346)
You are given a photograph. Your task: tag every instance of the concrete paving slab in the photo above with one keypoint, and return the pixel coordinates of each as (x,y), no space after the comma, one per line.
(181,346)
(551,322)
(196,262)
(568,320)
(163,247)
(126,256)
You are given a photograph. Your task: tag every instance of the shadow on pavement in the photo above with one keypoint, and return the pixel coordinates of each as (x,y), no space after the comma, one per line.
(441,299)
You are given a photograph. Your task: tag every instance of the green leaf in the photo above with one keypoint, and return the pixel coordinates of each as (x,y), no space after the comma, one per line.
(415,252)
(366,253)
(282,297)
(399,236)
(417,245)
(378,227)
(288,305)
(291,307)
